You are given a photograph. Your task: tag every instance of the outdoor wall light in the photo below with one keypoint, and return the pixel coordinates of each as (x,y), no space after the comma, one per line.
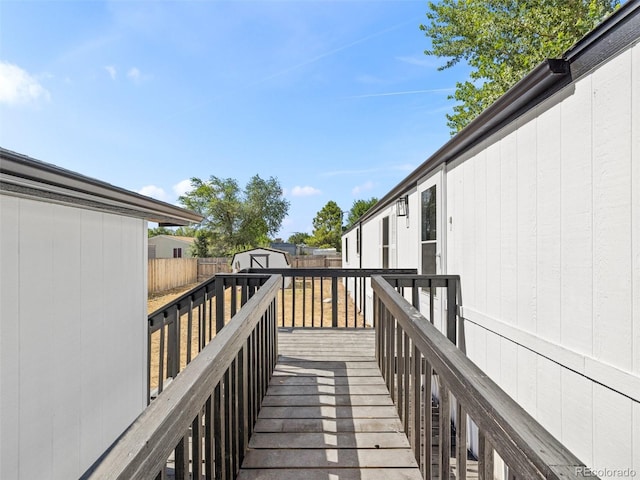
(402,206)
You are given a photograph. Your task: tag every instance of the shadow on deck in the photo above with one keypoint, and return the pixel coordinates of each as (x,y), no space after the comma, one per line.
(261,402)
(328,414)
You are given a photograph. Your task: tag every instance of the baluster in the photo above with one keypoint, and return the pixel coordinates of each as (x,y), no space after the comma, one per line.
(461,443)
(304,300)
(181,458)
(228,425)
(161,361)
(313,301)
(334,301)
(219,430)
(189,330)
(417,412)
(209,452)
(427,417)
(399,368)
(445,430)
(293,301)
(407,375)
(196,447)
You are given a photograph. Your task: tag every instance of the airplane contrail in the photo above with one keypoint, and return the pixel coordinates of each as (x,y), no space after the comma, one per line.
(406,92)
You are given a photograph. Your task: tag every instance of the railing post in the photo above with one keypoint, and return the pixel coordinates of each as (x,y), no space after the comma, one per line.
(451,311)
(173,345)
(334,301)
(219,304)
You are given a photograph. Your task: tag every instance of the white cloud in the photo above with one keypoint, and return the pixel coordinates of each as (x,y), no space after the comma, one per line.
(305,191)
(154,192)
(111,70)
(17,86)
(182,187)
(358,189)
(134,74)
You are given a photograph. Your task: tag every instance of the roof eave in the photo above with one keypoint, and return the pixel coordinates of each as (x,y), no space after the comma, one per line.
(24,176)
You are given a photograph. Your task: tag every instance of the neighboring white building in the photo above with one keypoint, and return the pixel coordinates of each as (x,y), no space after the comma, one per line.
(171,246)
(73,310)
(536,205)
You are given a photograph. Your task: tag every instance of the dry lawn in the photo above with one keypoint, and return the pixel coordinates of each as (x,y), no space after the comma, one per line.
(312,298)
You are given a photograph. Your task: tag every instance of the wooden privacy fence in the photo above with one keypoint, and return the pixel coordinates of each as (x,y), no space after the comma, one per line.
(208,267)
(315,261)
(167,273)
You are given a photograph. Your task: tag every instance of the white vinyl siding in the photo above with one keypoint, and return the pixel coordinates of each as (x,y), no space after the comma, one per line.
(72,336)
(545,223)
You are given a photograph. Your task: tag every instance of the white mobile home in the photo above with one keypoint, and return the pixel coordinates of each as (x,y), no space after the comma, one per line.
(73,311)
(536,205)
(171,246)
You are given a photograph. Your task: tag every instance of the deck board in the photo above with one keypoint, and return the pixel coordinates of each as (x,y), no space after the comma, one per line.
(328,414)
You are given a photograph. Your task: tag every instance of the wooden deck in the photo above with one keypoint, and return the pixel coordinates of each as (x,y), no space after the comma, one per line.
(328,414)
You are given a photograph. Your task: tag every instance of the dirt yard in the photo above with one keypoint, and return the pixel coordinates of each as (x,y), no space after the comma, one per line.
(307,303)
(158,300)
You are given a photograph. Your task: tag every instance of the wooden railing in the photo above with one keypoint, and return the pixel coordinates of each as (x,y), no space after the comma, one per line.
(181,329)
(323,297)
(425,371)
(202,422)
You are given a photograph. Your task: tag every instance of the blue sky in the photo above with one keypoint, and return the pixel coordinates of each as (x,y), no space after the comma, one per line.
(334,98)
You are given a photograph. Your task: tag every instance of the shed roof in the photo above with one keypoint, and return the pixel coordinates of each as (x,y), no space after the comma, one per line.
(282,252)
(24,176)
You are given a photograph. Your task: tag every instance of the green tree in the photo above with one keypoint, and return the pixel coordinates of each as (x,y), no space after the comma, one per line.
(234,217)
(200,247)
(298,238)
(503,40)
(186,231)
(358,209)
(154,232)
(327,227)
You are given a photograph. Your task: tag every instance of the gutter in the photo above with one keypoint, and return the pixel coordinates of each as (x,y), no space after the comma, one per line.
(26,177)
(612,35)
(545,79)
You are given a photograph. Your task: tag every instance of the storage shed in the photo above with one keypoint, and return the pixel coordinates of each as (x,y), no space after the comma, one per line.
(73,310)
(536,205)
(260,258)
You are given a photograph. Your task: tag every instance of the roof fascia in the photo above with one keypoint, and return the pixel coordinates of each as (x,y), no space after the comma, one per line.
(29,178)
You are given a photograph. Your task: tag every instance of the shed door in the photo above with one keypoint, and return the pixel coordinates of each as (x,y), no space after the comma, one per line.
(259,260)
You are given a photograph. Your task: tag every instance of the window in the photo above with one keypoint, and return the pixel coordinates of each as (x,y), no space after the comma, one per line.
(429,231)
(177,253)
(346,249)
(385,242)
(357,241)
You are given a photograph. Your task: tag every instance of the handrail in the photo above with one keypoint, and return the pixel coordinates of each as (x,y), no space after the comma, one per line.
(326,297)
(411,351)
(190,321)
(231,373)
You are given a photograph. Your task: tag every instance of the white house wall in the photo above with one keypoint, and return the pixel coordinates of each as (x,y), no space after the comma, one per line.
(545,236)
(165,246)
(72,335)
